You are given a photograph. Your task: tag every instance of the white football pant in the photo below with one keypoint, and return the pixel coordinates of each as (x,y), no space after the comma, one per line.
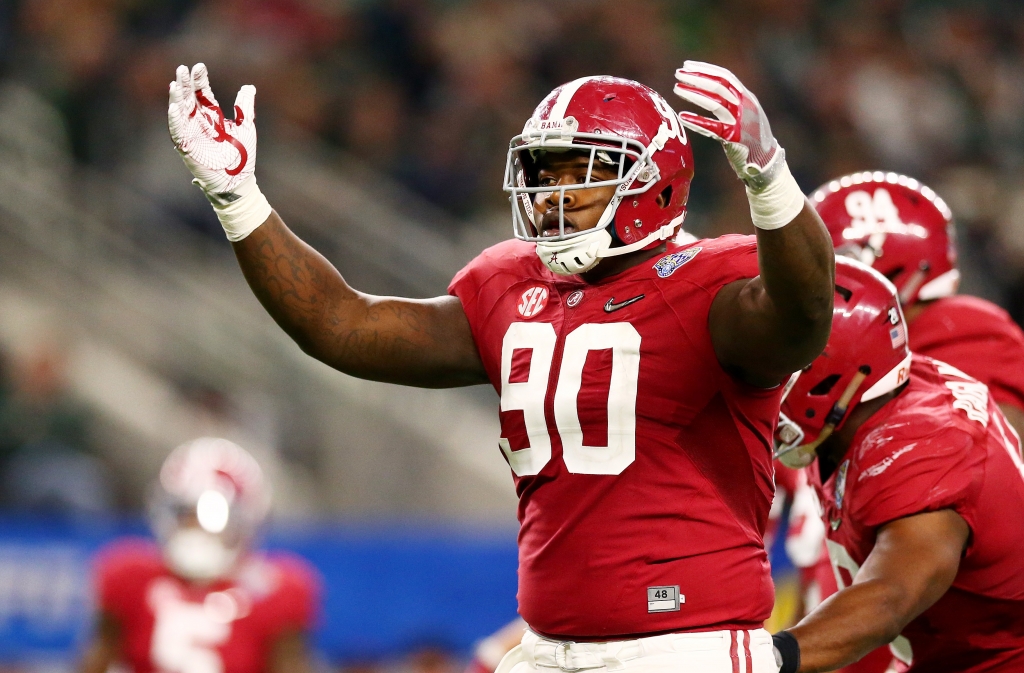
(707,652)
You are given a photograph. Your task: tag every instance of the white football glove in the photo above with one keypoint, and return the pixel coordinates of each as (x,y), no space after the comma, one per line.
(219,152)
(741,125)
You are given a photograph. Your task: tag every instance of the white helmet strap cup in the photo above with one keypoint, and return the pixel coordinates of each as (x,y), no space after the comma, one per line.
(197,555)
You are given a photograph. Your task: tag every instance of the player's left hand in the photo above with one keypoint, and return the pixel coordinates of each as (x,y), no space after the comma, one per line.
(739,122)
(220,153)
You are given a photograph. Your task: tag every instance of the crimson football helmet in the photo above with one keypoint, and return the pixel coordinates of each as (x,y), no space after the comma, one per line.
(896,225)
(205,509)
(625,126)
(866,357)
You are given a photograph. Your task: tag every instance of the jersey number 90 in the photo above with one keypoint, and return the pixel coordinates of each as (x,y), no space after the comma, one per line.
(623,341)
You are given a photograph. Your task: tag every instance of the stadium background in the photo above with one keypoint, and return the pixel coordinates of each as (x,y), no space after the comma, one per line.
(126,328)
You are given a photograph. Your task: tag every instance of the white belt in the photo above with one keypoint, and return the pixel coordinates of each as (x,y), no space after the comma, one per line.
(572,656)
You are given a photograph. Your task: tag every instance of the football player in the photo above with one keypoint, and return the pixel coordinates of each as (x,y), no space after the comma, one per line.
(639,378)
(202,600)
(922,487)
(904,230)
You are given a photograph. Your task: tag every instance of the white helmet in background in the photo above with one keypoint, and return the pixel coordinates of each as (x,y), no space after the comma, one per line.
(207,507)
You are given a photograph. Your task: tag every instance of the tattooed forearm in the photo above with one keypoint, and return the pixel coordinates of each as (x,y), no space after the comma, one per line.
(422,342)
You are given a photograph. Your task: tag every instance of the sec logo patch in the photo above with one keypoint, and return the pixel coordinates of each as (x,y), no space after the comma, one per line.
(533,301)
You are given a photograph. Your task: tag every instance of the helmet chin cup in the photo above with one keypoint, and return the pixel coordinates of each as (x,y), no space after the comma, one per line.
(575,255)
(797,458)
(196,555)
(943,286)
(584,252)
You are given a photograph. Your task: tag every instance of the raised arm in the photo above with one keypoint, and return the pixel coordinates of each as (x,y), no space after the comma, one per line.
(767,327)
(419,342)
(912,565)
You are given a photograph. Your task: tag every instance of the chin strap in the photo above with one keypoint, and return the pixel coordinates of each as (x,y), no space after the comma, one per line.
(662,233)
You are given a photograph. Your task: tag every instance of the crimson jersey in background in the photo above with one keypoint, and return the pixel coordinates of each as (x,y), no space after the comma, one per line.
(170,626)
(941,444)
(976,337)
(641,465)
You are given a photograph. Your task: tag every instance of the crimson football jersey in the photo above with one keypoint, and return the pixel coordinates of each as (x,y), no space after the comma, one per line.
(941,444)
(170,626)
(976,337)
(643,469)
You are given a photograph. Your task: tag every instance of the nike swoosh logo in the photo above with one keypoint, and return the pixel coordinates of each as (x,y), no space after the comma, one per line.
(612,306)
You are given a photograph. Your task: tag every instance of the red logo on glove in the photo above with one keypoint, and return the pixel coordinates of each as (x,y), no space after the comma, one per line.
(223,136)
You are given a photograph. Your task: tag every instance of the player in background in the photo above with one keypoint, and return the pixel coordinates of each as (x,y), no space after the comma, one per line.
(905,231)
(636,376)
(203,600)
(922,487)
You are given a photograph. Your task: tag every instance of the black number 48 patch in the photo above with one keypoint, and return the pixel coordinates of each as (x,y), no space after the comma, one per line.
(664,599)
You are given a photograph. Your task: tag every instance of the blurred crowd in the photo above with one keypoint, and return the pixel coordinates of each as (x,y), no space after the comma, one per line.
(428,92)
(50,461)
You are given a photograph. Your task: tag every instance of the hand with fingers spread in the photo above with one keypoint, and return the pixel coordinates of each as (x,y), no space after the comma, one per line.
(739,122)
(220,153)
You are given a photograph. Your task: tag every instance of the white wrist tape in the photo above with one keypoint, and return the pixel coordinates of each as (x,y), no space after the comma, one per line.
(241,211)
(778,203)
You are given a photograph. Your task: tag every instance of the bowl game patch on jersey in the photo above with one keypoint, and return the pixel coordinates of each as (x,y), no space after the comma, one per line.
(667,265)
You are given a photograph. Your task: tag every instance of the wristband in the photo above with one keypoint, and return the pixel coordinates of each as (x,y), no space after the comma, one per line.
(787,652)
(240,212)
(775,204)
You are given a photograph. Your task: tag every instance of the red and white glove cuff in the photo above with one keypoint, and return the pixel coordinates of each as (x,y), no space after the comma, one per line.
(241,211)
(778,203)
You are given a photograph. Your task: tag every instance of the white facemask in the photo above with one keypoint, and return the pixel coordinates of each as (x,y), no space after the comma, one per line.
(194,554)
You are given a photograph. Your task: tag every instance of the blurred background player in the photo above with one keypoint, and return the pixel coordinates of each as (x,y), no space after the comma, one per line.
(905,231)
(488,653)
(922,487)
(203,600)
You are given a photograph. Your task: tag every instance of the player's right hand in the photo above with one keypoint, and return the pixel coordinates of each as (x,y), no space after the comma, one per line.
(220,153)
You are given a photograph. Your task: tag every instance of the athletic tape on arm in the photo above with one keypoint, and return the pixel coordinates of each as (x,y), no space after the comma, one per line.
(241,211)
(777,203)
